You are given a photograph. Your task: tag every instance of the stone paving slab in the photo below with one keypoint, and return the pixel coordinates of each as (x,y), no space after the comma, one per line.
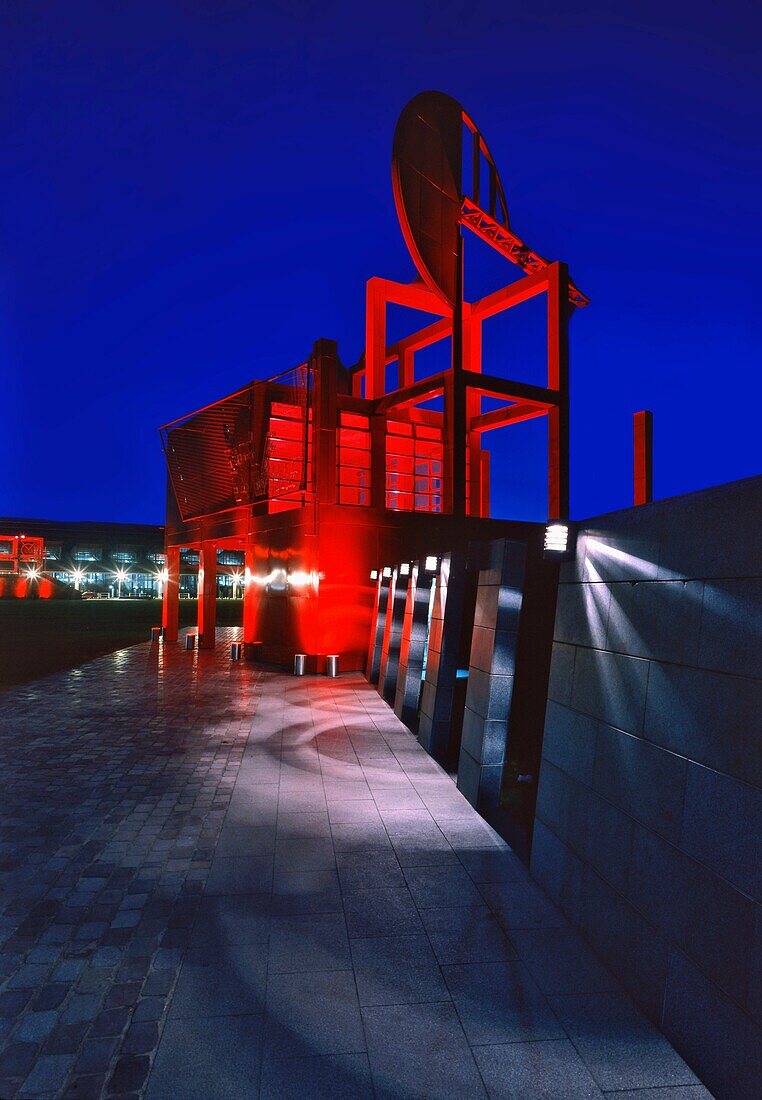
(217,880)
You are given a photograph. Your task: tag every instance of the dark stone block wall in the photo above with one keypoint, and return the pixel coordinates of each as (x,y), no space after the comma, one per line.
(438,691)
(492,667)
(649,811)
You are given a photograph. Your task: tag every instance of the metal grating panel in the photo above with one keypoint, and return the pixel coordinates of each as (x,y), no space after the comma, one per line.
(219,457)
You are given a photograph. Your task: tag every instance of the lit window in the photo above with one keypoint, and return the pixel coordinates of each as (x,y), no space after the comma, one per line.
(230,557)
(354,459)
(414,460)
(87,553)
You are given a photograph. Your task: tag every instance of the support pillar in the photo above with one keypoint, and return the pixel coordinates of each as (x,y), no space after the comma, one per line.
(325,420)
(252,605)
(455,406)
(414,633)
(390,658)
(438,691)
(559,312)
(492,666)
(207,595)
(378,630)
(170,607)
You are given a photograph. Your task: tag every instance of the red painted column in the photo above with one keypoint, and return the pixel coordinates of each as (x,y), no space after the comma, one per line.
(325,420)
(456,411)
(643,427)
(252,603)
(375,338)
(378,460)
(558,379)
(170,607)
(207,595)
(472,360)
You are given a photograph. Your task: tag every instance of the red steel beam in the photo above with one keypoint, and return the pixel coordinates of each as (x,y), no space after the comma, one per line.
(510,245)
(512,295)
(424,390)
(514,414)
(491,386)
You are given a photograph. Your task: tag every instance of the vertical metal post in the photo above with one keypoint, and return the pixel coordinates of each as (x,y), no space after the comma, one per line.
(252,599)
(170,607)
(325,420)
(642,430)
(207,595)
(558,379)
(455,400)
(375,339)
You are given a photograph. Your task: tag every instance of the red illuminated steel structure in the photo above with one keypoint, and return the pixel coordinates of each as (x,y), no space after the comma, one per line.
(22,559)
(22,554)
(325,473)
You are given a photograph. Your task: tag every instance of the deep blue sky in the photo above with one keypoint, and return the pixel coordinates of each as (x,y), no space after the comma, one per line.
(193,192)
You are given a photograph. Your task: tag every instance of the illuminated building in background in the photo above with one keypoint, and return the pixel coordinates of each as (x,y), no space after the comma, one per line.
(89,557)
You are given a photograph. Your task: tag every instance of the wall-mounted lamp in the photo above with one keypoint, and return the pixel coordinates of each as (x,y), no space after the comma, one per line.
(431,564)
(405,569)
(387,571)
(559,541)
(374,574)
(279,580)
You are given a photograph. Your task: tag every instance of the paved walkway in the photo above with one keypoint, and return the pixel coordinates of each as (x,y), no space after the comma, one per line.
(219,881)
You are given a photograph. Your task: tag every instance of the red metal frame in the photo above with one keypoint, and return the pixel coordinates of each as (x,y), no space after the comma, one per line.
(26,552)
(320,497)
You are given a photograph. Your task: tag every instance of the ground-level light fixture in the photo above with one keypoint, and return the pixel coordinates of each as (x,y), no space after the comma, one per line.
(405,569)
(431,564)
(387,571)
(559,541)
(32,573)
(374,574)
(121,575)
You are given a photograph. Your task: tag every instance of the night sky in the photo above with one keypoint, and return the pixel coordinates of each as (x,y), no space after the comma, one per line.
(193,192)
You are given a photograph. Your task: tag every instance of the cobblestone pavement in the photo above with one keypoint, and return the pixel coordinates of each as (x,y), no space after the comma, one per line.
(221,881)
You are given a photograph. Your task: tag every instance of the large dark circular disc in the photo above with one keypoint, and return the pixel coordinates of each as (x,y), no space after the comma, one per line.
(426,176)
